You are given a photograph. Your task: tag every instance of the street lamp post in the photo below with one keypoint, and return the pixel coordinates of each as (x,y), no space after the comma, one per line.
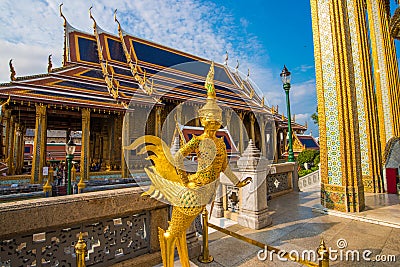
(70,150)
(285,76)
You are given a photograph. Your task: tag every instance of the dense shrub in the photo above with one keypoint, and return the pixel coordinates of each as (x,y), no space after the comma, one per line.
(304,172)
(307,156)
(316,160)
(314,168)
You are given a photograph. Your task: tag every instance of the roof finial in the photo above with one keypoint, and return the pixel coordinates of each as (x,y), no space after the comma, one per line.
(49,65)
(226,58)
(237,65)
(12,71)
(209,84)
(90,15)
(62,15)
(116,20)
(248,73)
(65,36)
(263,101)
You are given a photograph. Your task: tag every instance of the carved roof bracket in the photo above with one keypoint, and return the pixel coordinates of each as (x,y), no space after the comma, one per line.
(111,82)
(144,84)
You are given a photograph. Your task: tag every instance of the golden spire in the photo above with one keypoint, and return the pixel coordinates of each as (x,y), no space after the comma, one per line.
(49,64)
(209,84)
(12,71)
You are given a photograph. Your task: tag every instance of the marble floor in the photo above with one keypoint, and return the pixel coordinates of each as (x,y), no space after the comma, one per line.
(299,222)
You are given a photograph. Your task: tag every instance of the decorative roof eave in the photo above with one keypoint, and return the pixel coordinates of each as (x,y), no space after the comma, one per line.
(395,24)
(144,84)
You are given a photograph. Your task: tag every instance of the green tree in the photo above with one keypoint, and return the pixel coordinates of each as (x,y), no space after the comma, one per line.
(307,156)
(314,116)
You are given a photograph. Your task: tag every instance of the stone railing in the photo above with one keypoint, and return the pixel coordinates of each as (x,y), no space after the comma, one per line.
(309,180)
(118,226)
(281,179)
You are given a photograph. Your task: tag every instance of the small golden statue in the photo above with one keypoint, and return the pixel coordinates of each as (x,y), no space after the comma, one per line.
(188,193)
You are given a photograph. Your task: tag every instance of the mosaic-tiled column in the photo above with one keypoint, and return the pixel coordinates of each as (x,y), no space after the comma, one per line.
(85,144)
(228,117)
(117,139)
(126,135)
(241,134)
(371,158)
(11,152)
(20,158)
(17,147)
(341,176)
(6,143)
(39,145)
(262,122)
(252,125)
(158,121)
(386,74)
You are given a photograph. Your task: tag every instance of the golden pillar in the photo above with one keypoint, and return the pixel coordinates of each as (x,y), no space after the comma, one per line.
(228,117)
(117,149)
(341,174)
(125,142)
(158,121)
(386,74)
(241,134)
(6,122)
(20,153)
(262,122)
(85,145)
(39,145)
(11,146)
(252,125)
(371,157)
(17,148)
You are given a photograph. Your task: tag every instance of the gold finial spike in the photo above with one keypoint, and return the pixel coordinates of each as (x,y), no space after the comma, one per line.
(62,15)
(49,64)
(65,37)
(248,74)
(209,84)
(237,65)
(323,254)
(12,71)
(90,16)
(116,20)
(263,102)
(226,58)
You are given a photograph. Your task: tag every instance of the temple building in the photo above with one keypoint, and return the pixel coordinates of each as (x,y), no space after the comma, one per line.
(115,88)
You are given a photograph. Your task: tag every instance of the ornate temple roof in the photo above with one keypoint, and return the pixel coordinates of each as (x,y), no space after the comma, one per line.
(107,71)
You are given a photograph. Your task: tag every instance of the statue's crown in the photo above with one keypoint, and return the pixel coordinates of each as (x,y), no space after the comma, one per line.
(211,108)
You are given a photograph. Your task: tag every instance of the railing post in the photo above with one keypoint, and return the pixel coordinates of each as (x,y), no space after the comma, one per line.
(80,251)
(205,256)
(47,187)
(323,255)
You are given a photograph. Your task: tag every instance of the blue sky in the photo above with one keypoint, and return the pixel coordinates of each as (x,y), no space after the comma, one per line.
(262,35)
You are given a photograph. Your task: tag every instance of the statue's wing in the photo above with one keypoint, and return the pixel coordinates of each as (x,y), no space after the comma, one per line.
(177,194)
(159,153)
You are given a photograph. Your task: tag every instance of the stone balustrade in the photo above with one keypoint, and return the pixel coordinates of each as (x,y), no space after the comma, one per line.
(309,180)
(119,227)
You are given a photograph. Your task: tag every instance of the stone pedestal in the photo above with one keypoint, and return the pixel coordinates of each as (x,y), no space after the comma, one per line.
(193,243)
(253,207)
(218,210)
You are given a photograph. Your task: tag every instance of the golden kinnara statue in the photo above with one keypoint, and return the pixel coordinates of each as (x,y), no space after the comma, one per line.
(187,193)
